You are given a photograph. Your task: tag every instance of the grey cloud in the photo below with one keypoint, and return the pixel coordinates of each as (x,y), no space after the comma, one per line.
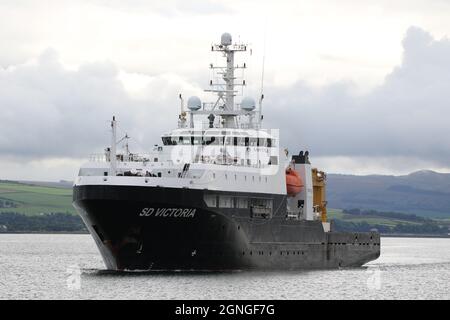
(49,111)
(169,7)
(408,115)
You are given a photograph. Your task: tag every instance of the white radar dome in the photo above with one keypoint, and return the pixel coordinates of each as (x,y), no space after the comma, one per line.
(248,104)
(225,40)
(194,103)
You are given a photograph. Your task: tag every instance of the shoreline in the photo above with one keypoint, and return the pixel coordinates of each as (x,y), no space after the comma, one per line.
(406,235)
(45,232)
(383,235)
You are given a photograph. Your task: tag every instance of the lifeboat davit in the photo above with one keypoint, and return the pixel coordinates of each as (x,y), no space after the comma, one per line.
(294,183)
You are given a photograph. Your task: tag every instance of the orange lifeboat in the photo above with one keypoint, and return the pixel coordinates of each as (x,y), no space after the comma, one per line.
(294,183)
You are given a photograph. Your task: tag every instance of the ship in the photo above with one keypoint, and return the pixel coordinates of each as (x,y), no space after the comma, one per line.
(217,193)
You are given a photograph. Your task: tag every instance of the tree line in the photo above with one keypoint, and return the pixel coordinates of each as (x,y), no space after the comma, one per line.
(47,222)
(420,225)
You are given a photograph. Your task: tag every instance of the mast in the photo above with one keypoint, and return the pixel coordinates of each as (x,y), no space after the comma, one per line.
(224,112)
(228,93)
(113,156)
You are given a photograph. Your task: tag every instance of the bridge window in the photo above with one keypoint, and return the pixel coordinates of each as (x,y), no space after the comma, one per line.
(196,140)
(213,140)
(186,140)
(209,140)
(261,142)
(166,141)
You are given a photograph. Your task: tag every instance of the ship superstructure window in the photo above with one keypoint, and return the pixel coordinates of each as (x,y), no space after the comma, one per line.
(186,140)
(209,140)
(261,142)
(273,160)
(242,203)
(166,141)
(210,200)
(261,208)
(196,140)
(239,141)
(225,202)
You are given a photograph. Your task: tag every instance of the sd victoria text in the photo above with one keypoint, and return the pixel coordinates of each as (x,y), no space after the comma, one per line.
(168,212)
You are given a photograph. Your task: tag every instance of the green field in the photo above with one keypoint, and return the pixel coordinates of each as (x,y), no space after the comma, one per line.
(389,222)
(34,200)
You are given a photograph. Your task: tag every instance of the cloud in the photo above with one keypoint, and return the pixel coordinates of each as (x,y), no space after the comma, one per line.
(168,7)
(407,116)
(49,111)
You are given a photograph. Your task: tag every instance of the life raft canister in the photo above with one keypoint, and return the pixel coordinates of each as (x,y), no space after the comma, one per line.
(294,183)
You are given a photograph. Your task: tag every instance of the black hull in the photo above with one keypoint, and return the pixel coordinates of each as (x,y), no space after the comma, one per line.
(192,236)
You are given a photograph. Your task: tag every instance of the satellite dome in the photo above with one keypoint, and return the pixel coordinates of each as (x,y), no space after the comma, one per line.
(248,104)
(225,40)
(194,103)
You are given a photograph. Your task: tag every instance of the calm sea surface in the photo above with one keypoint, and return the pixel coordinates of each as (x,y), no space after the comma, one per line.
(70,267)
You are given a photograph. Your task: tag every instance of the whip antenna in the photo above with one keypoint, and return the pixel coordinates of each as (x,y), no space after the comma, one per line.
(261,97)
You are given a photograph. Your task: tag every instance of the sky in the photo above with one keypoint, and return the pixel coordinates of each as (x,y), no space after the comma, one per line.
(364,85)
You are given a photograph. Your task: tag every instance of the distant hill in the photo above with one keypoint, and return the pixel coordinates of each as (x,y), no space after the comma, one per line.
(425,193)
